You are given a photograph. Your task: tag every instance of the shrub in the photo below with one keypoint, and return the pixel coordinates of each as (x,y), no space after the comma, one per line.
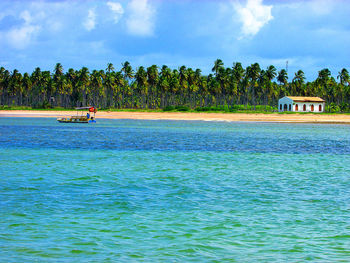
(169,108)
(182,108)
(44,105)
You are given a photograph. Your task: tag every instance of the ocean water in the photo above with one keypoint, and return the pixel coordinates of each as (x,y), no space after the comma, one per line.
(173,191)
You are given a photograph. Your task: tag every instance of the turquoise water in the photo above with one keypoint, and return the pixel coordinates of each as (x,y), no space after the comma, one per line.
(173,191)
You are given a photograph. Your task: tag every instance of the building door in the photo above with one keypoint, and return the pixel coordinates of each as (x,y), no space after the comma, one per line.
(312,107)
(304,107)
(285,107)
(320,108)
(296,107)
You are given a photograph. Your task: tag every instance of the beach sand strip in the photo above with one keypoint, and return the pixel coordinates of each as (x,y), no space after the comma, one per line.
(232,117)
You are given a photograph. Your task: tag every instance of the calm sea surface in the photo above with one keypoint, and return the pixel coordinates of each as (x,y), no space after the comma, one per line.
(173,191)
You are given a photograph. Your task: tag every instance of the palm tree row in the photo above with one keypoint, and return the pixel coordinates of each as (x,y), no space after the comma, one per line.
(154,87)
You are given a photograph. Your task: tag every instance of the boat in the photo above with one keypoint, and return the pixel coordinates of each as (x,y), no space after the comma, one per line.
(80,118)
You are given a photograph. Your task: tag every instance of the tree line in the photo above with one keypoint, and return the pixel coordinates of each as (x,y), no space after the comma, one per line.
(161,87)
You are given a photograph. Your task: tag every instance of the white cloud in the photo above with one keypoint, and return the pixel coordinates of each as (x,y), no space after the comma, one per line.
(254,15)
(20,37)
(25,15)
(117,10)
(90,22)
(140,21)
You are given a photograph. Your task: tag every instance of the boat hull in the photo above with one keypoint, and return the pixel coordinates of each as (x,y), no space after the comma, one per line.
(61,121)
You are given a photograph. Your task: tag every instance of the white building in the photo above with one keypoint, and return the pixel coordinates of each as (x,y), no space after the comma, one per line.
(301,104)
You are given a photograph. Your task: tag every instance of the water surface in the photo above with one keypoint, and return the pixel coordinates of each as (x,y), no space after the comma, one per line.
(131,190)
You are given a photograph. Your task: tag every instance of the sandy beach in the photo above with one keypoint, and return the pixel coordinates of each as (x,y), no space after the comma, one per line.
(292,118)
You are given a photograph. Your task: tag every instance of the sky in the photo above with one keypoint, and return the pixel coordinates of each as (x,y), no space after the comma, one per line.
(309,34)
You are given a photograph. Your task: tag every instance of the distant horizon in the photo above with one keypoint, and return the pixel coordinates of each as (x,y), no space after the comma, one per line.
(310,34)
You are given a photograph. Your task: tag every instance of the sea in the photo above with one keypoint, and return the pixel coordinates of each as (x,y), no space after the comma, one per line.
(173,191)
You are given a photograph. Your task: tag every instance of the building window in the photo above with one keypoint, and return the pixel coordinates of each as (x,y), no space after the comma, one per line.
(320,108)
(290,107)
(280,107)
(312,107)
(304,107)
(296,107)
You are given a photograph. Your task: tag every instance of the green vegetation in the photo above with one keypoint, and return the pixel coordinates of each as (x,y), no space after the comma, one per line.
(227,89)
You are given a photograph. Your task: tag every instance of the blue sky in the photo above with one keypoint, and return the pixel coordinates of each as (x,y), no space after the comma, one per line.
(309,34)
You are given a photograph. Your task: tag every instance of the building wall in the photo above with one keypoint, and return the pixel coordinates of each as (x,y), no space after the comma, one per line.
(308,106)
(285,101)
(291,105)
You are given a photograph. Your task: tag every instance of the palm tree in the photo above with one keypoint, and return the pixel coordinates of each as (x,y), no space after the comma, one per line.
(214,89)
(344,79)
(253,73)
(237,78)
(109,82)
(183,80)
(282,77)
(298,81)
(58,69)
(237,71)
(142,84)
(270,75)
(191,85)
(96,86)
(110,67)
(127,70)
(128,75)
(15,88)
(71,79)
(164,79)
(153,78)
(47,84)
(217,65)
(322,81)
(36,78)
(175,86)
(58,82)
(83,82)
(27,87)
(271,72)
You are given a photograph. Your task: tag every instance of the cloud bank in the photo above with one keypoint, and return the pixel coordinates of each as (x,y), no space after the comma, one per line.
(194,33)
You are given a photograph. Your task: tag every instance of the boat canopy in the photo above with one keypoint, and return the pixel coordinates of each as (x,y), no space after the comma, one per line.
(83,108)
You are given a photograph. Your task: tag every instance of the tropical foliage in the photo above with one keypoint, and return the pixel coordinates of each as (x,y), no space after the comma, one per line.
(164,88)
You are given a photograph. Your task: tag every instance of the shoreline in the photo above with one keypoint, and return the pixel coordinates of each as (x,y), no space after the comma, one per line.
(190,116)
